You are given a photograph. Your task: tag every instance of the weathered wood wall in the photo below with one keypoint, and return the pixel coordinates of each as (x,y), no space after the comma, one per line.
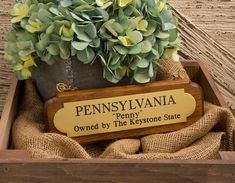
(215,17)
(208,31)
(5,69)
(220,62)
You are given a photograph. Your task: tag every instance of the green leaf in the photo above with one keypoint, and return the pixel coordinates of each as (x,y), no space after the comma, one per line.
(80,45)
(146,46)
(163,35)
(152,39)
(115,66)
(115,59)
(73,51)
(175,43)
(18,67)
(50,61)
(121,50)
(44,15)
(86,56)
(125,22)
(165,43)
(91,30)
(66,38)
(110,77)
(134,36)
(173,35)
(76,17)
(50,29)
(102,59)
(135,50)
(54,10)
(143,63)
(43,43)
(53,49)
(151,28)
(85,16)
(23,53)
(171,53)
(133,64)
(142,25)
(95,43)
(160,48)
(124,41)
(19,76)
(23,23)
(11,48)
(25,36)
(100,2)
(66,3)
(168,26)
(111,30)
(83,7)
(24,45)
(118,27)
(123,3)
(166,15)
(120,72)
(11,36)
(104,14)
(141,77)
(151,70)
(47,58)
(64,50)
(155,52)
(81,35)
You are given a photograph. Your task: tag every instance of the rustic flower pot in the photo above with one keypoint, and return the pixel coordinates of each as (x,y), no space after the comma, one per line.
(72,73)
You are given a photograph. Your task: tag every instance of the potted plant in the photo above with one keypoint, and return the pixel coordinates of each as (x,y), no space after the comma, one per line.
(90,44)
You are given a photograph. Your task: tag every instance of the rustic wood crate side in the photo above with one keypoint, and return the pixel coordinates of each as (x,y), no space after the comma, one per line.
(9,113)
(150,171)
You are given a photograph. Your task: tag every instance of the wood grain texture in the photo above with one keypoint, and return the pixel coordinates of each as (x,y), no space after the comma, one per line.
(198,45)
(227,155)
(5,6)
(5,68)
(117,171)
(215,17)
(9,113)
(5,81)
(14,154)
(208,31)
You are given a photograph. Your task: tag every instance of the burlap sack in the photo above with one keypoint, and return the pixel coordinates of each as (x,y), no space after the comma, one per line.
(170,70)
(198,141)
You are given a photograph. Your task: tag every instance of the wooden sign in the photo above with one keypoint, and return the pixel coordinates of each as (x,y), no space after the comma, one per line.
(127,111)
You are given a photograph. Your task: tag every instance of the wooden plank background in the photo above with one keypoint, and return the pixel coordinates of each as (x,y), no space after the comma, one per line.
(215,17)
(208,31)
(5,69)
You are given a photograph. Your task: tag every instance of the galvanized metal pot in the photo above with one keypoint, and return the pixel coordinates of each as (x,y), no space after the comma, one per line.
(73,73)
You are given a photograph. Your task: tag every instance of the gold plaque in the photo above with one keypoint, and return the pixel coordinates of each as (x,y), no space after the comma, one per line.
(113,114)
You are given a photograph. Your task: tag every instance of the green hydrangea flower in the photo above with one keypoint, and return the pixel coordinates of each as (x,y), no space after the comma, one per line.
(19,12)
(128,37)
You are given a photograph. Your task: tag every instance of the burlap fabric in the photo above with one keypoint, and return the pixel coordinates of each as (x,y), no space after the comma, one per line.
(202,140)
(170,70)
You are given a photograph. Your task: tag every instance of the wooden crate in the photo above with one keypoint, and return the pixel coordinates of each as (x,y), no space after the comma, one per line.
(16,166)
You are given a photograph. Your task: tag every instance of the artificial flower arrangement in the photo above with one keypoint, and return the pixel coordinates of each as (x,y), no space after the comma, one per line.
(127,37)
